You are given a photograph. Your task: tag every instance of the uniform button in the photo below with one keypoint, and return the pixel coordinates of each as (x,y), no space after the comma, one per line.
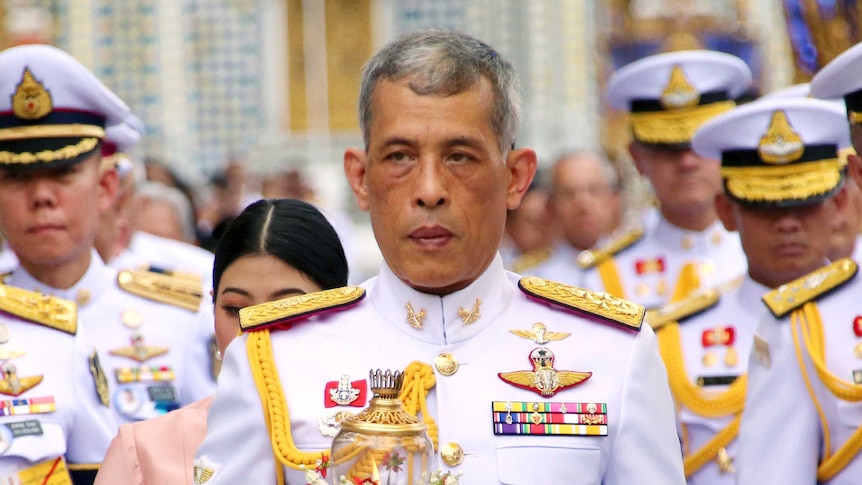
(446,363)
(452,454)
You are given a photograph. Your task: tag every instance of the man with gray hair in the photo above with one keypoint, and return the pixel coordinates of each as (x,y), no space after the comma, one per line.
(440,168)
(586,203)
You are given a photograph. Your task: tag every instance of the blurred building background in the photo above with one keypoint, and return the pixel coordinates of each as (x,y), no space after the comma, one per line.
(271,85)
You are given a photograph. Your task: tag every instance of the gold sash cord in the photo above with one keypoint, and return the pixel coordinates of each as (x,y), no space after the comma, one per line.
(611,278)
(703,403)
(807,322)
(418,380)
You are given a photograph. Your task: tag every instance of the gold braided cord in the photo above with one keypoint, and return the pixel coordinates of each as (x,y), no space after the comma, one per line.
(783,187)
(784,170)
(795,318)
(709,451)
(708,404)
(686,282)
(65,153)
(808,322)
(419,379)
(611,278)
(52,131)
(675,125)
(276,412)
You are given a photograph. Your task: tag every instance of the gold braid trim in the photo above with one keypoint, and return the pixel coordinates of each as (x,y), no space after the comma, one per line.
(784,170)
(611,278)
(783,187)
(808,322)
(65,153)
(52,131)
(674,125)
(419,378)
(709,451)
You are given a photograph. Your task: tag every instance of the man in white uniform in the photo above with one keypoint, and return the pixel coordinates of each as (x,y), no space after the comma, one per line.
(439,112)
(669,96)
(803,417)
(152,331)
(784,228)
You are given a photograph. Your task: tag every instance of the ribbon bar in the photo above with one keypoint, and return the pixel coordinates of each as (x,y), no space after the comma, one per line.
(33,405)
(549,407)
(550,429)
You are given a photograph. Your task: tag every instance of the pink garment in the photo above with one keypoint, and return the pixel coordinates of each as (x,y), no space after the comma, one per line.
(156,451)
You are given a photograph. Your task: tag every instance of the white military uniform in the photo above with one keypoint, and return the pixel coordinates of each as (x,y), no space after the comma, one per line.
(113,317)
(781,438)
(148,249)
(714,346)
(62,414)
(627,375)
(649,269)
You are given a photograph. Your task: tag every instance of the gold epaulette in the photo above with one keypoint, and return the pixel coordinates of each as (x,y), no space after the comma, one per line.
(530,259)
(162,288)
(591,258)
(793,295)
(183,275)
(603,305)
(46,310)
(296,307)
(696,302)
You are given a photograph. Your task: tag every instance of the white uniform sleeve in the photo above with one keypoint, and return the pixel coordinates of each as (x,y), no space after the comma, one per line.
(779,438)
(646,448)
(93,426)
(237,442)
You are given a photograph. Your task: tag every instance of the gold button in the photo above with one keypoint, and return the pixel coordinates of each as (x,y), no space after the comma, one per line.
(452,454)
(446,363)
(83,297)
(687,242)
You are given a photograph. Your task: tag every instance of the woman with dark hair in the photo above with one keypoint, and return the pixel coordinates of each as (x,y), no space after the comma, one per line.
(274,249)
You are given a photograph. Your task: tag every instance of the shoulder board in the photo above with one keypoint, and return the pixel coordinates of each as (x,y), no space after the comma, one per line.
(162,288)
(793,295)
(696,302)
(591,258)
(183,275)
(298,307)
(33,306)
(607,307)
(530,259)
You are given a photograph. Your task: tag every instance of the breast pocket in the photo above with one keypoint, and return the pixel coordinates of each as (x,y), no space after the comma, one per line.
(32,439)
(530,465)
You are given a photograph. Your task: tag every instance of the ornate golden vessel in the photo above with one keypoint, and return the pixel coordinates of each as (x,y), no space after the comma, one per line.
(383,444)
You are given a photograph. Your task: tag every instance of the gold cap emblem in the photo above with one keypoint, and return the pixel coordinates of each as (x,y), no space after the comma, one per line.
(31,101)
(679,92)
(780,143)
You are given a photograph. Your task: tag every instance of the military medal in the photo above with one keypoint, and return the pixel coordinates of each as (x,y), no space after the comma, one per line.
(415,320)
(544,379)
(12,384)
(83,297)
(858,350)
(706,268)
(642,289)
(138,350)
(661,287)
(343,392)
(709,359)
(687,242)
(472,315)
(540,334)
(720,337)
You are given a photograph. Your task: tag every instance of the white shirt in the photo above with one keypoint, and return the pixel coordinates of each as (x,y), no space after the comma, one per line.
(628,375)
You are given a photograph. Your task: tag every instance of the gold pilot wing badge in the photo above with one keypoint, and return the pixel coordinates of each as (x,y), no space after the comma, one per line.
(138,350)
(780,144)
(540,334)
(679,92)
(544,379)
(14,385)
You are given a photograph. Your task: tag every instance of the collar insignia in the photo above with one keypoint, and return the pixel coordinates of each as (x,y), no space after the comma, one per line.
(472,315)
(415,320)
